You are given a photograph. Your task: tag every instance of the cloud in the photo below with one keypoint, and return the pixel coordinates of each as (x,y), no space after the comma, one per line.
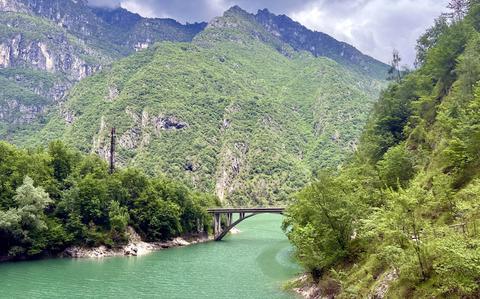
(105,3)
(375,27)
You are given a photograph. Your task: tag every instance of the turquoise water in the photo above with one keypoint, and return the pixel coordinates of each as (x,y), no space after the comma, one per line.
(252,264)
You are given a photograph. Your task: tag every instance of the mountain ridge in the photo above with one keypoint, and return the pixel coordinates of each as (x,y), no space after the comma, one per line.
(236,111)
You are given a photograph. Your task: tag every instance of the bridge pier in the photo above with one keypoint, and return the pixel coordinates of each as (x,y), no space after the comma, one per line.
(243,213)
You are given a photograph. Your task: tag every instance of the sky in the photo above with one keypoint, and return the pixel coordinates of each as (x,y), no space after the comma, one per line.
(375,27)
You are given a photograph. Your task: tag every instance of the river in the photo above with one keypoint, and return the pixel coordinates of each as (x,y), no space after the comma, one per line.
(252,264)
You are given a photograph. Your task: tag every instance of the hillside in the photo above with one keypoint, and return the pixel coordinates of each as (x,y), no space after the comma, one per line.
(48,46)
(400,220)
(116,31)
(237,111)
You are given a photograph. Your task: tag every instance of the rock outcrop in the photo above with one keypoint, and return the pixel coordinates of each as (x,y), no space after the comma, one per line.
(54,44)
(135,246)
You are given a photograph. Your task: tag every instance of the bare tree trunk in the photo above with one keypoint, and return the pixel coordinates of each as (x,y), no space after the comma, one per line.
(112,150)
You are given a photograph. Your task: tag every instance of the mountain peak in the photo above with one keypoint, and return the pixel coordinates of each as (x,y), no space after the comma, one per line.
(234,17)
(287,36)
(235,9)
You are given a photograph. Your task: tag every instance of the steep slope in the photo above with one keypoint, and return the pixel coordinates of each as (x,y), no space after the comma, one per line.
(47,46)
(237,111)
(117,31)
(401,219)
(39,62)
(319,44)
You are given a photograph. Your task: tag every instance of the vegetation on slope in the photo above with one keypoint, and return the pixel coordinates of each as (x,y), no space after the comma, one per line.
(47,46)
(403,214)
(228,113)
(53,198)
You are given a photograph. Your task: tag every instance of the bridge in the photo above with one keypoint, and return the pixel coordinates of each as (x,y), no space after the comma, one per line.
(243,213)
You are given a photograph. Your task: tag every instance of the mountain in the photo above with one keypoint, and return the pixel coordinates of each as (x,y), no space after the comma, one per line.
(319,44)
(48,46)
(238,111)
(117,31)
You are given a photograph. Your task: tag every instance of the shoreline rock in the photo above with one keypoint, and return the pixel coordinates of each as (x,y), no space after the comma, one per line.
(135,246)
(307,288)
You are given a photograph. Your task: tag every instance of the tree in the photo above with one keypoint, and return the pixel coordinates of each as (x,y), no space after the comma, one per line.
(63,160)
(320,223)
(429,39)
(118,217)
(396,167)
(459,9)
(25,224)
(394,70)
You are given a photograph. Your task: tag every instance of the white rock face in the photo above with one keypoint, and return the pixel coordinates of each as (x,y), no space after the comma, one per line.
(49,63)
(140,46)
(28,113)
(180,242)
(383,285)
(4,55)
(12,6)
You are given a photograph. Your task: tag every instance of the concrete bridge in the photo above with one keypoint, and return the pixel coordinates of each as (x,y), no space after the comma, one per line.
(243,213)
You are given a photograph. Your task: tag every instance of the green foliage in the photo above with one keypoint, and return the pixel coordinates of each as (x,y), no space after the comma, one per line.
(24,222)
(78,202)
(396,167)
(320,223)
(421,195)
(119,219)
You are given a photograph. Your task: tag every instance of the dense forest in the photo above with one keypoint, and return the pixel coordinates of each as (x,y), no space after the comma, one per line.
(403,214)
(57,197)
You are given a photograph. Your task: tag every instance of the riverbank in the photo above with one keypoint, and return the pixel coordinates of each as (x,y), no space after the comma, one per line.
(327,288)
(135,246)
(253,264)
(305,287)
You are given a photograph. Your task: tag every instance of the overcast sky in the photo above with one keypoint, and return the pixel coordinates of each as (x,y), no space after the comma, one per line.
(375,27)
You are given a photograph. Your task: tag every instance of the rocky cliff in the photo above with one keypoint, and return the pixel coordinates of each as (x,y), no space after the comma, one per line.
(48,46)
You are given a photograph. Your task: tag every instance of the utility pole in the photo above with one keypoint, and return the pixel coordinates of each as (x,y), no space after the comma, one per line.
(112,150)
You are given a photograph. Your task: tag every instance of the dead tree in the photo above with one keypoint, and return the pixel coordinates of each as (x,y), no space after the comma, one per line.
(112,150)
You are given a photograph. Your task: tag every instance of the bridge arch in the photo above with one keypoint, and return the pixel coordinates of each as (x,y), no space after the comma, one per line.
(243,213)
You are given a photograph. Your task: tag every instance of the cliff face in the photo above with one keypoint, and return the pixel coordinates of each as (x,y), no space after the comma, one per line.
(117,31)
(47,46)
(39,62)
(53,53)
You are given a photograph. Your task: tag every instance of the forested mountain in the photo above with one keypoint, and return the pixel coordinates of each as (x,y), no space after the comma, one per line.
(401,219)
(48,46)
(238,111)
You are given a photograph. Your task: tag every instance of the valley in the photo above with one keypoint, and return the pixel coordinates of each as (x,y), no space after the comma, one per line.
(250,128)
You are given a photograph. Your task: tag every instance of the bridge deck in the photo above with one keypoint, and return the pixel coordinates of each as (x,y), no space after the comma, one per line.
(246,210)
